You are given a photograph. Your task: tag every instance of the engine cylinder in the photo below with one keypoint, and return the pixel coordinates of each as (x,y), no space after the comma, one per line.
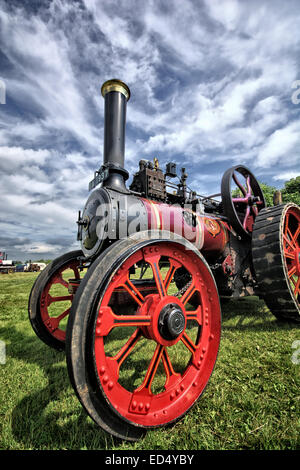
(111,216)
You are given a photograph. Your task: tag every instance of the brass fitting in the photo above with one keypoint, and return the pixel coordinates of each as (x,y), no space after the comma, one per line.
(115,85)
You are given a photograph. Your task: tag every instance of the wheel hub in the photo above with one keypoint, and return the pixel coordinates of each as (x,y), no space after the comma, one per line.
(253,200)
(171,321)
(167,319)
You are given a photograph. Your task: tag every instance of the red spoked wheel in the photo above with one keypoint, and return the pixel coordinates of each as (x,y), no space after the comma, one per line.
(145,368)
(242,199)
(276,259)
(291,249)
(51,298)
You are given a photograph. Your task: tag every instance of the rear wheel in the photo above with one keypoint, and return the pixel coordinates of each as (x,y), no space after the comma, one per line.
(276,259)
(51,298)
(145,368)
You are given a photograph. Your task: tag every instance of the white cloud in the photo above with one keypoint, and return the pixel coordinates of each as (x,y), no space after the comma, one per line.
(287,175)
(46,78)
(11,158)
(228,14)
(210,83)
(281,147)
(40,248)
(267,105)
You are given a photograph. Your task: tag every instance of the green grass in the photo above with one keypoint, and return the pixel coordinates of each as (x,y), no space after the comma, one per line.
(250,402)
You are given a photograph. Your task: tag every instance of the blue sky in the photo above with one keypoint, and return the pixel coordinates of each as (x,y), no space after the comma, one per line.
(211,87)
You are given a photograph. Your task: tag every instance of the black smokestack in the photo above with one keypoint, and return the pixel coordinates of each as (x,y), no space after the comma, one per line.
(116,94)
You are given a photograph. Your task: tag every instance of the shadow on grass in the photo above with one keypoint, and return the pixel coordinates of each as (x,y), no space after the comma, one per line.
(251,314)
(50,417)
(36,421)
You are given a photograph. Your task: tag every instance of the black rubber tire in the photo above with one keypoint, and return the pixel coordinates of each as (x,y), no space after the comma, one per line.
(269,263)
(38,287)
(228,206)
(80,331)
(78,348)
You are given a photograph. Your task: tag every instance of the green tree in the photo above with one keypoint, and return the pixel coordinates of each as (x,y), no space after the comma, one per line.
(268,192)
(291,191)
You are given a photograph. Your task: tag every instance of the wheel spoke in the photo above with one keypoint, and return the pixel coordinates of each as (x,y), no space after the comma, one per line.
(237,182)
(107,320)
(63,298)
(154,262)
(195,315)
(291,271)
(249,191)
(296,234)
(170,274)
(134,292)
(240,199)
(54,322)
(60,280)
(143,270)
(288,242)
(246,218)
(128,346)
(291,237)
(124,352)
(171,375)
(151,371)
(297,288)
(254,210)
(63,315)
(288,254)
(286,223)
(189,343)
(293,280)
(76,272)
(131,320)
(188,294)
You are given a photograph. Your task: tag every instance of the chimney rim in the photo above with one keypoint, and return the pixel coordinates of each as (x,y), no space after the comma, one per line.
(115,85)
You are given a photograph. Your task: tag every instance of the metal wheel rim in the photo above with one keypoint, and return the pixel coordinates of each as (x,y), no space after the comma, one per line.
(141,407)
(290,247)
(46,299)
(242,220)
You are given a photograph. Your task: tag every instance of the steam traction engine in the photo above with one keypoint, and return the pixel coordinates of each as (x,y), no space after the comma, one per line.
(137,309)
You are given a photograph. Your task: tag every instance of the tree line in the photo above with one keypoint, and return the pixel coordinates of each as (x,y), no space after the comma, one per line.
(290,192)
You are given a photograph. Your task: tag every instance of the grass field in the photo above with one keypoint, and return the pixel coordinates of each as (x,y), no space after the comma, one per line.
(252,400)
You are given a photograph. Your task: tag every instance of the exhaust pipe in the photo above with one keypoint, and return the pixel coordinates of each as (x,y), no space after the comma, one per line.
(116,94)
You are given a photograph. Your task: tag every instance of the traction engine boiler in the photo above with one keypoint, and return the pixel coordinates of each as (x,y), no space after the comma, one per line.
(137,308)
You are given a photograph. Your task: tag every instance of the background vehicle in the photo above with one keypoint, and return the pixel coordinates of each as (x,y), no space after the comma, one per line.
(6,265)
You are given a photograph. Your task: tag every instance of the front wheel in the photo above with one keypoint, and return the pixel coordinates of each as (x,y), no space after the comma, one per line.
(147,367)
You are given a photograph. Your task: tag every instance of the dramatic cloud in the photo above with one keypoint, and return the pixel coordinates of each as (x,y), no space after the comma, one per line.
(212,85)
